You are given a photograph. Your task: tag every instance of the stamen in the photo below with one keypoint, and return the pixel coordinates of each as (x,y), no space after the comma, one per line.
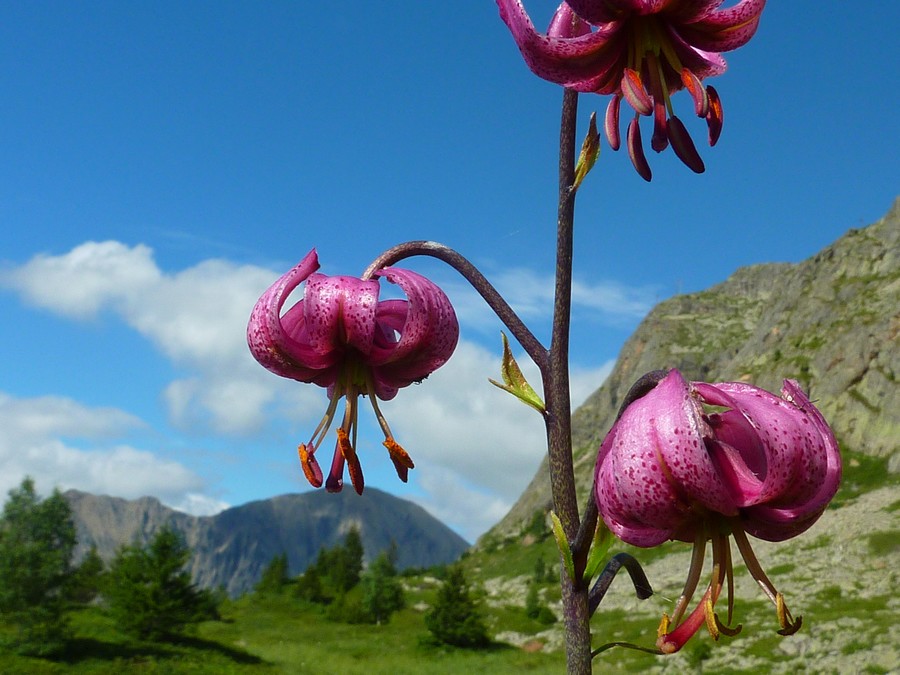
(310,466)
(788,624)
(719,626)
(696,90)
(721,571)
(636,150)
(693,578)
(712,622)
(325,424)
(660,139)
(401,459)
(729,575)
(353,467)
(683,145)
(634,92)
(611,123)
(382,422)
(714,116)
(753,566)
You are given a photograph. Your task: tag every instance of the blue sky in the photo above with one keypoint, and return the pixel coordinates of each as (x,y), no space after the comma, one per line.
(162,163)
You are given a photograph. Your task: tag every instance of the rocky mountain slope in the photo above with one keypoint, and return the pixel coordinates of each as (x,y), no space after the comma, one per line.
(831,322)
(232,548)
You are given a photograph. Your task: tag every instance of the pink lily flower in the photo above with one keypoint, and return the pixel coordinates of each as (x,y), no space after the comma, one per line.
(671,468)
(342,337)
(642,51)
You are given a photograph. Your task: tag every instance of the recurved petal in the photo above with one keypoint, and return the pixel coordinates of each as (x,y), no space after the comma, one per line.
(792,393)
(567,24)
(653,467)
(702,63)
(725,29)
(339,312)
(774,524)
(427,337)
(585,63)
(681,433)
(797,464)
(596,11)
(691,10)
(267,338)
(633,496)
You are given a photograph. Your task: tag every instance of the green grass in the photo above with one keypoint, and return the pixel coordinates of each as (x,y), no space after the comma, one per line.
(279,636)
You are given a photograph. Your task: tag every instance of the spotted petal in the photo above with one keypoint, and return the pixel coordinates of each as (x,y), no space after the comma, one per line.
(272,344)
(427,328)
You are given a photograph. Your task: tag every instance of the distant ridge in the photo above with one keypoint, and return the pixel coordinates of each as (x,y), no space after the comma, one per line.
(232,548)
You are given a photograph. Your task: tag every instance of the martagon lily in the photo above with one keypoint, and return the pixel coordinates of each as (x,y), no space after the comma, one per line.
(698,462)
(642,51)
(342,337)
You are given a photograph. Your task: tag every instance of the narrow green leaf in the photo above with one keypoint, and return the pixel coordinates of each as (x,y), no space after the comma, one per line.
(603,539)
(563,543)
(590,151)
(514,381)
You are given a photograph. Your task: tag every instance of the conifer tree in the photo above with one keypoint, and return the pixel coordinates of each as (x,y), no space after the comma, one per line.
(36,543)
(275,577)
(347,562)
(382,591)
(150,593)
(309,585)
(455,619)
(87,578)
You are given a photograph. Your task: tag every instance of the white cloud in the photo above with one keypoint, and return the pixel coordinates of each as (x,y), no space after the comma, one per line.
(585,381)
(484,444)
(451,500)
(196,317)
(34,420)
(32,442)
(84,281)
(531,295)
(459,421)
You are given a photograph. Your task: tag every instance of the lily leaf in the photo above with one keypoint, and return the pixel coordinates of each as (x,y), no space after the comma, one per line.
(514,381)
(563,543)
(590,150)
(603,539)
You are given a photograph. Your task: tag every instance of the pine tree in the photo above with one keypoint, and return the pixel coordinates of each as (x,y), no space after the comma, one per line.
(455,619)
(36,543)
(382,591)
(150,594)
(275,577)
(309,586)
(87,579)
(347,562)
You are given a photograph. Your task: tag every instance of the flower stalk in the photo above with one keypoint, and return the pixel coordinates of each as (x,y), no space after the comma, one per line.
(558,416)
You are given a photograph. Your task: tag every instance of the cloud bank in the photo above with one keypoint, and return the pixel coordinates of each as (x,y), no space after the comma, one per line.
(479,446)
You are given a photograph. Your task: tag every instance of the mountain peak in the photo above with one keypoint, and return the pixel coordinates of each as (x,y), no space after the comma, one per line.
(232,548)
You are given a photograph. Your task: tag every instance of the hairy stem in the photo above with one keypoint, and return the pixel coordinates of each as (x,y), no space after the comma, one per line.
(558,418)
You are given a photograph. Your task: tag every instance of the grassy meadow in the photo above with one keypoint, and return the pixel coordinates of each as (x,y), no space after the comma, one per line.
(841,576)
